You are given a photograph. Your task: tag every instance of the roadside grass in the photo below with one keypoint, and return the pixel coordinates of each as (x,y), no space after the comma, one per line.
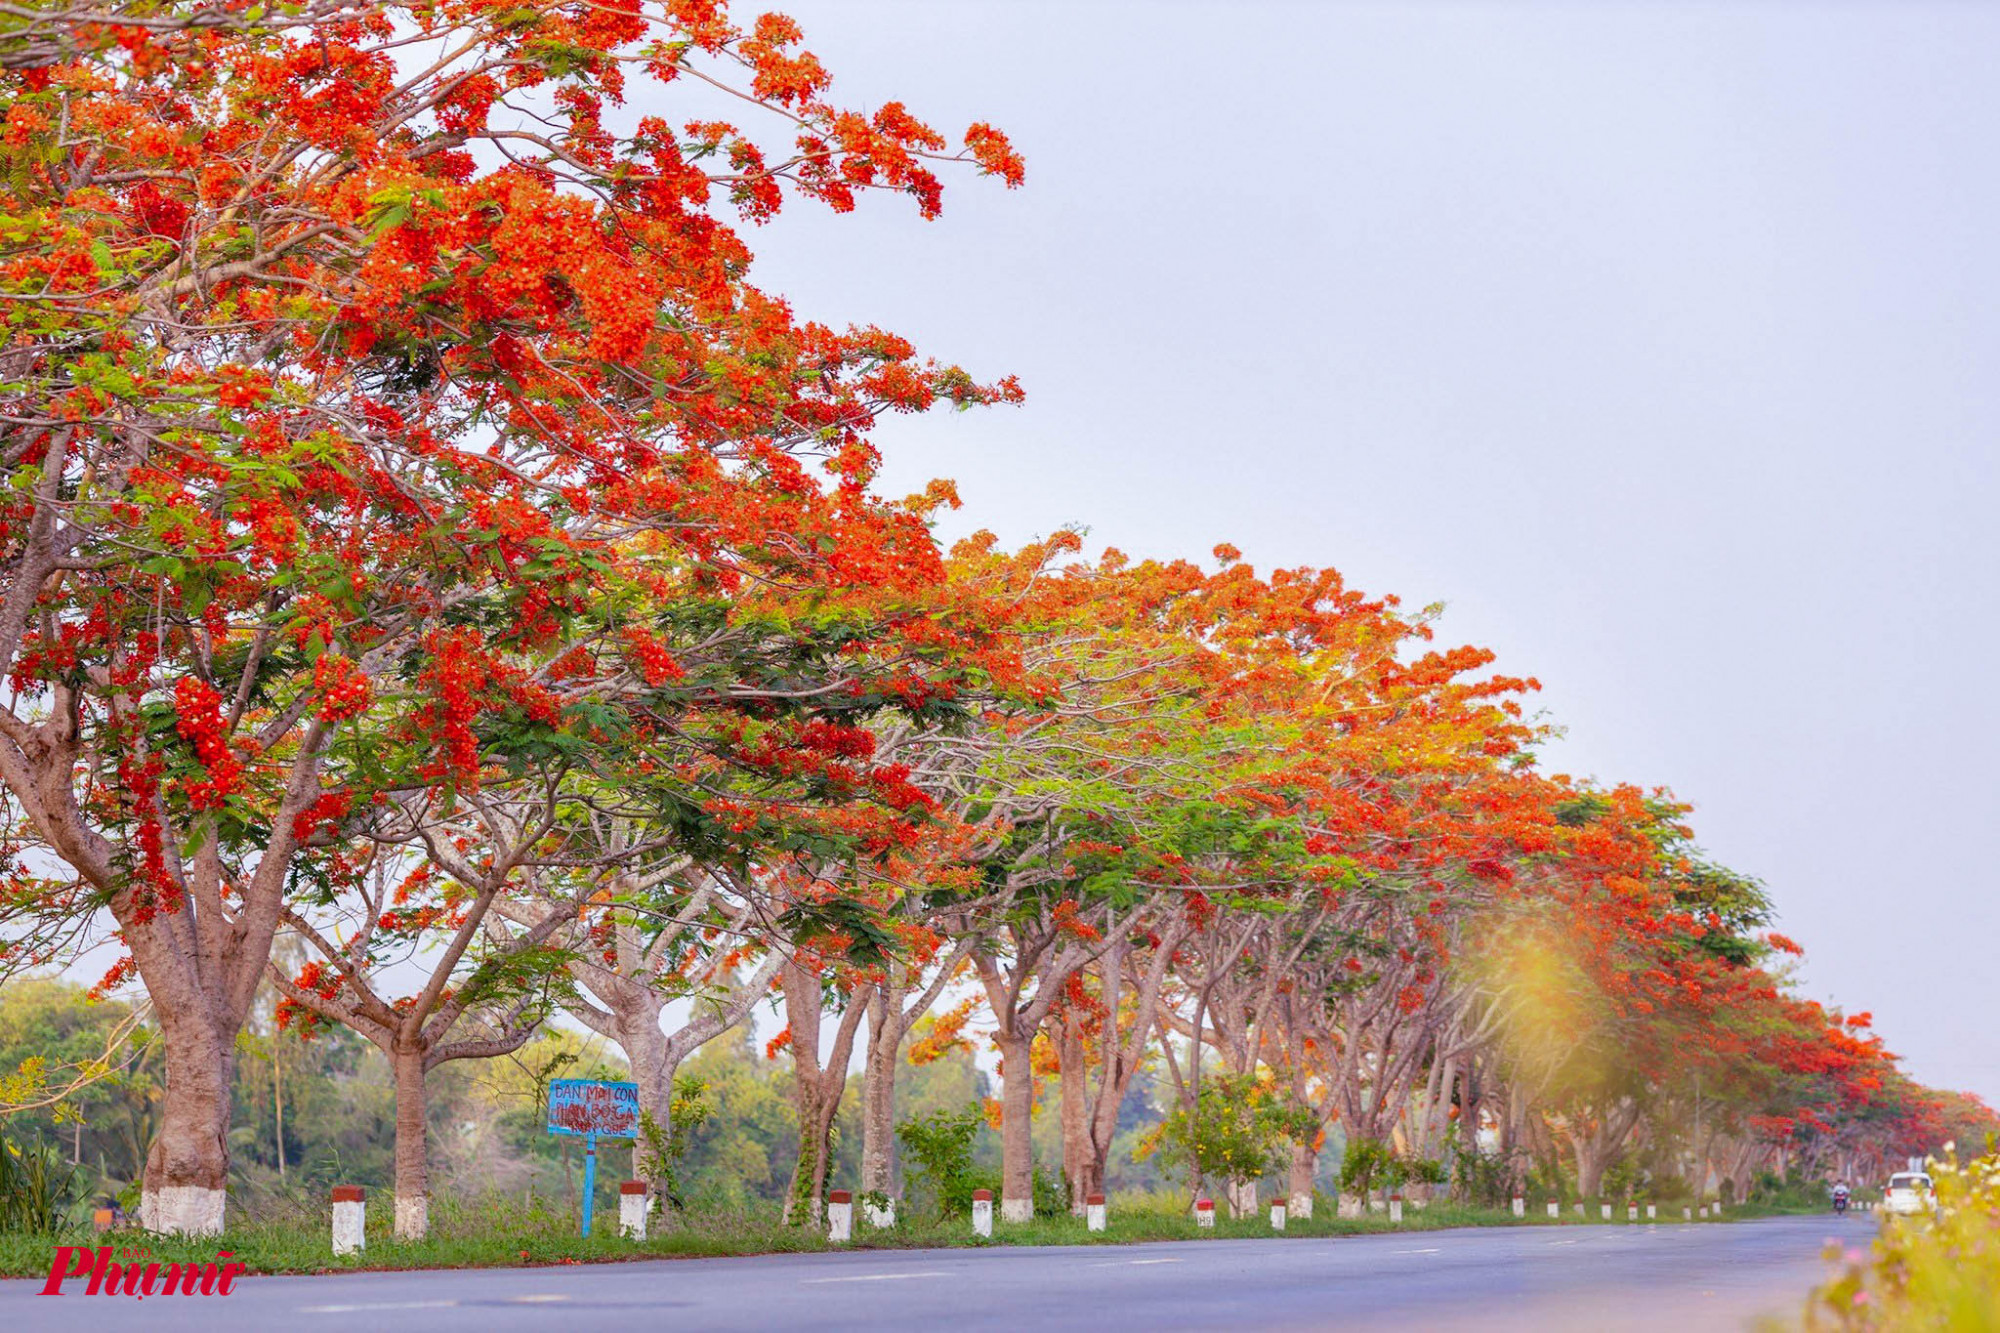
(495,1234)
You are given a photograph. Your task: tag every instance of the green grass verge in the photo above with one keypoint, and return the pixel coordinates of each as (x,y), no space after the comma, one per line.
(477,1238)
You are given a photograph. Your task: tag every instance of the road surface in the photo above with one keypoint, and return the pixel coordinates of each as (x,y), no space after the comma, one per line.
(1642,1277)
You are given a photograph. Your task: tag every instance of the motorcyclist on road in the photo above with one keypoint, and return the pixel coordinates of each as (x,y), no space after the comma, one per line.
(1840,1197)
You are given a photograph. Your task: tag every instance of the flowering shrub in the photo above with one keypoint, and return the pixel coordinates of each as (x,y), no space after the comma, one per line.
(939,1147)
(1235,1135)
(1940,1271)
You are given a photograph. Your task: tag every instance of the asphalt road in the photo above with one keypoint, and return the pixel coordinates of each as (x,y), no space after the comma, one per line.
(1642,1277)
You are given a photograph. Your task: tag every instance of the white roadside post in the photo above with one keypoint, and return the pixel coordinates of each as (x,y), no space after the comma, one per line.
(982,1212)
(1520,1206)
(1093,1212)
(1605,1210)
(1300,1206)
(1555,1210)
(1631,1212)
(632,1203)
(1204,1212)
(1277,1217)
(350,1219)
(839,1216)
(1395,1210)
(1652,1212)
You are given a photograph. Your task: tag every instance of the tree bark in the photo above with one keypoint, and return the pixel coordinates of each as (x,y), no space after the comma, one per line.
(878,1092)
(278,1104)
(187,1167)
(816,1087)
(412,1161)
(1596,1150)
(889,1021)
(1017,1147)
(1080,1163)
(1299,1194)
(808,1192)
(1123,1051)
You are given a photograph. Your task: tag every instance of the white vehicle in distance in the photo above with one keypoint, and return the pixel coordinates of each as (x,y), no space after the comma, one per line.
(1908,1192)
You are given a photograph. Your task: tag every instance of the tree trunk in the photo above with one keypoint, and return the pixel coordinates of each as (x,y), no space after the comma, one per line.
(412,1168)
(817,1086)
(805,1199)
(1079,1159)
(1305,1164)
(654,1074)
(878,1092)
(1589,1169)
(278,1104)
(1242,1198)
(187,1167)
(1017,1148)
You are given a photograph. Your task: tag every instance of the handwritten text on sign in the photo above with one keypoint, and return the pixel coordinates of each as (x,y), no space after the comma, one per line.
(585,1106)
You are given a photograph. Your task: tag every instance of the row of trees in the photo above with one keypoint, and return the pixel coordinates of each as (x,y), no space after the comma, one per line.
(423,542)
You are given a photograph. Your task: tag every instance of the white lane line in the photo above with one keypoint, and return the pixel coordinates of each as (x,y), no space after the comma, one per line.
(1433,1250)
(873,1277)
(1562,1242)
(383,1305)
(1137,1262)
(542,1299)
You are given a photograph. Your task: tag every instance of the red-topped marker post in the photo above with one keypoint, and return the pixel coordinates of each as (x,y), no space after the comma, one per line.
(350,1219)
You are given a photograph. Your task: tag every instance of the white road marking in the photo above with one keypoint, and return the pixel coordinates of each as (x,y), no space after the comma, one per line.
(873,1277)
(383,1305)
(1562,1242)
(1433,1250)
(1136,1262)
(543,1299)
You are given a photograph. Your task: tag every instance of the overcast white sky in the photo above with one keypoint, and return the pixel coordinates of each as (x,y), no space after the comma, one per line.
(1658,340)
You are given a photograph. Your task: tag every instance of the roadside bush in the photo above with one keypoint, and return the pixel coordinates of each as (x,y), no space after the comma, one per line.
(1235,1134)
(1484,1180)
(938,1149)
(1549,1180)
(1369,1165)
(36,1189)
(1798,1192)
(1365,1165)
(1422,1171)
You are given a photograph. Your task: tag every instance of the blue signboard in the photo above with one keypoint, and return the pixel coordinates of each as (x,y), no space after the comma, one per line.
(586,1106)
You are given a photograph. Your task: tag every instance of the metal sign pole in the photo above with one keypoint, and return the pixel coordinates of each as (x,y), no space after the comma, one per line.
(589,1178)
